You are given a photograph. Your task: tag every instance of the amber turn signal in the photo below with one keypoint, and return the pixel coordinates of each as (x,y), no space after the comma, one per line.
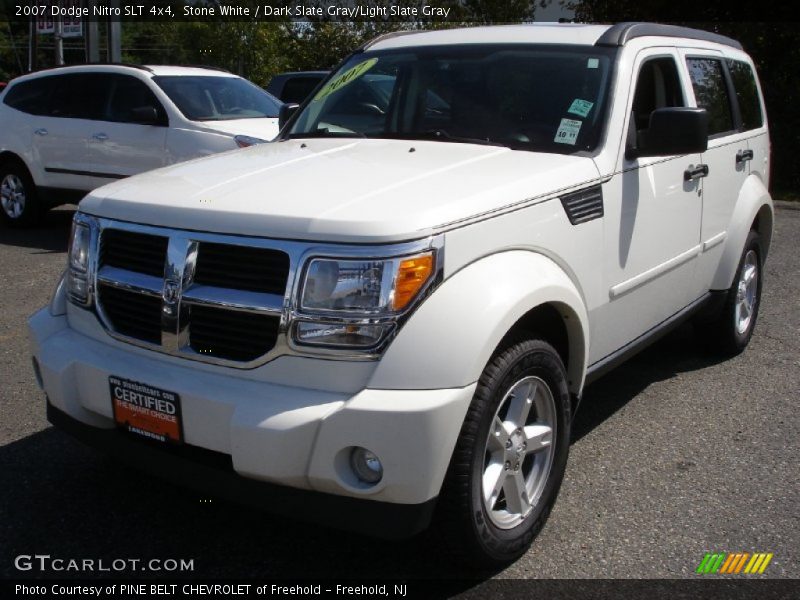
(412,275)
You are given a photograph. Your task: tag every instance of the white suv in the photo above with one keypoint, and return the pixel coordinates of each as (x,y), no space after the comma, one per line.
(69,130)
(395,309)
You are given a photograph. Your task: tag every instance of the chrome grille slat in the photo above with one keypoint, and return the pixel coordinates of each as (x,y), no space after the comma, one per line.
(130,280)
(236,322)
(234,299)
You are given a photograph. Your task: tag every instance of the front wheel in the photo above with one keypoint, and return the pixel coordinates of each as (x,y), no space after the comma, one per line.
(510,457)
(19,203)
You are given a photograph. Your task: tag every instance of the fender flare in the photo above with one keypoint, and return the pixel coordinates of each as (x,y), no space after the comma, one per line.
(754,202)
(449,339)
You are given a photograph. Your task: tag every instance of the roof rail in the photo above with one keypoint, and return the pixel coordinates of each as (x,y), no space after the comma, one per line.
(621,33)
(387,36)
(208,67)
(95,64)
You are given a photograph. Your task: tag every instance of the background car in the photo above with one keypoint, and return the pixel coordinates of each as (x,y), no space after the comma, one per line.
(69,130)
(294,88)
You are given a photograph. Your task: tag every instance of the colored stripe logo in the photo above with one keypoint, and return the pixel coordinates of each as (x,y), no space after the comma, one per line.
(734,563)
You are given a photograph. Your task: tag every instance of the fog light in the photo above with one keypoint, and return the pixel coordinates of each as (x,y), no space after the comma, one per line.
(366,465)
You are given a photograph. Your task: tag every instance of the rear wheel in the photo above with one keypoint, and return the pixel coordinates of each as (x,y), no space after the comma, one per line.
(729,332)
(19,202)
(510,457)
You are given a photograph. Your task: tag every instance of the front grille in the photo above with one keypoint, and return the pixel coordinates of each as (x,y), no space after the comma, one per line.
(232,335)
(131,313)
(192,294)
(132,251)
(242,268)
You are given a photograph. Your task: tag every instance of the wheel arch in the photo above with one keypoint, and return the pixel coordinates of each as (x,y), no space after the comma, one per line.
(9,156)
(754,210)
(453,335)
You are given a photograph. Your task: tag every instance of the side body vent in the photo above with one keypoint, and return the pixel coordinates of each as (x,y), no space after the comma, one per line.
(584,205)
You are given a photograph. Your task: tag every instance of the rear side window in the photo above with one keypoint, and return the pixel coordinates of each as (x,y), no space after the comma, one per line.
(30,96)
(711,92)
(744,82)
(80,96)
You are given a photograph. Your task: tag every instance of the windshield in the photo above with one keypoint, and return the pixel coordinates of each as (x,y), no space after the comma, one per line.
(535,97)
(209,98)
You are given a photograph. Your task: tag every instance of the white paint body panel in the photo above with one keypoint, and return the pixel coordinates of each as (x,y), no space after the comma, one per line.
(339,190)
(508,247)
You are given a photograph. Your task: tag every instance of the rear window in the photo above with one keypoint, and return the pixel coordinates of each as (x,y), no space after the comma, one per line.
(744,82)
(30,96)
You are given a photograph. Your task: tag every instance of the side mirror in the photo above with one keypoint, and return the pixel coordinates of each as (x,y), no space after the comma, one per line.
(674,130)
(145,115)
(286,112)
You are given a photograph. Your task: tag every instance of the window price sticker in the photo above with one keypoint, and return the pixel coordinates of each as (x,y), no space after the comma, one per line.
(568,131)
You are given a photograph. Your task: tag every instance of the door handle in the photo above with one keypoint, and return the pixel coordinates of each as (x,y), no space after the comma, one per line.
(742,156)
(100,137)
(41,131)
(695,172)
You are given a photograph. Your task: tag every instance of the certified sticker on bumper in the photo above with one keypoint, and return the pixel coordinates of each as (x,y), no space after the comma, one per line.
(146,411)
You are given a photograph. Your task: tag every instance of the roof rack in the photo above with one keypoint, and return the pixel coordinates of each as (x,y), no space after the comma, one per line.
(621,33)
(95,64)
(208,67)
(386,36)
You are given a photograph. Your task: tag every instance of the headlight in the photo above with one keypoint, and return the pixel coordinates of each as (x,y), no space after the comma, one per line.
(368,287)
(354,303)
(78,272)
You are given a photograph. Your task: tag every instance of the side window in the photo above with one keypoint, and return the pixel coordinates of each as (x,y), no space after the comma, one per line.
(744,82)
(128,93)
(658,86)
(79,96)
(297,89)
(30,96)
(711,92)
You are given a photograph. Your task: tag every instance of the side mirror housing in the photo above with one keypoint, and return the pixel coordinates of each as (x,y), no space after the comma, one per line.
(286,112)
(674,130)
(145,115)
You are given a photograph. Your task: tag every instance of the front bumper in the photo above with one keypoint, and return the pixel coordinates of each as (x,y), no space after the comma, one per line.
(211,472)
(265,437)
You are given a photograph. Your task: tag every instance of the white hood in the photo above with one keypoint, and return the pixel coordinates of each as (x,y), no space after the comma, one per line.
(348,190)
(264,128)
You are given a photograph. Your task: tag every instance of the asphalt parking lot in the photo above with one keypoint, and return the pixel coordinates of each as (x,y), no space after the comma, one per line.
(674,455)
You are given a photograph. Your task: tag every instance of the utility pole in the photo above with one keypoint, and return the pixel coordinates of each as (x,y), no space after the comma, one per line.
(114,50)
(58,40)
(33,46)
(92,36)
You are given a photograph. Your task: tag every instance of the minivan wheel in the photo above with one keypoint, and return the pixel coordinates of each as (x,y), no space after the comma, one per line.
(510,457)
(19,204)
(729,333)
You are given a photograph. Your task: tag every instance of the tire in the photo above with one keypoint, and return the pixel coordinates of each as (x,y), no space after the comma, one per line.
(492,448)
(729,332)
(19,201)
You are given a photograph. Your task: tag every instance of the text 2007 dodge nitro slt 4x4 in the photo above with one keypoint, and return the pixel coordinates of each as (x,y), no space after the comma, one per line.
(388,316)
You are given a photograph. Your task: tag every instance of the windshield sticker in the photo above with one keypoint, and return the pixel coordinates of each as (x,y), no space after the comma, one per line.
(580,107)
(347,77)
(593,63)
(568,132)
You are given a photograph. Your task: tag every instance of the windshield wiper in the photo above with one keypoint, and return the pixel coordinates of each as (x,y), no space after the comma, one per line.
(323,133)
(443,136)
